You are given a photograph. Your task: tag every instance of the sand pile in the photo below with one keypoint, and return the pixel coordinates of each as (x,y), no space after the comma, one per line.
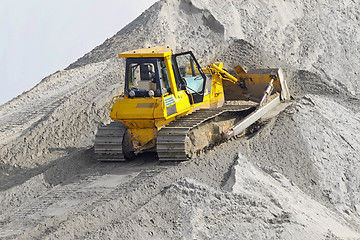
(296,177)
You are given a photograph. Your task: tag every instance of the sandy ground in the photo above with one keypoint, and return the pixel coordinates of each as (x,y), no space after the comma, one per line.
(295,176)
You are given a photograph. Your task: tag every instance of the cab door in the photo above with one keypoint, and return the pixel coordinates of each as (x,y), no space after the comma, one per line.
(190,76)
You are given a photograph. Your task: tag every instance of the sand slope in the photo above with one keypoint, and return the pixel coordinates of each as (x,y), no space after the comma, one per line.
(296,176)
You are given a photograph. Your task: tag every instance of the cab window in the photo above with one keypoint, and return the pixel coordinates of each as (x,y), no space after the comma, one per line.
(142,76)
(146,77)
(164,78)
(190,73)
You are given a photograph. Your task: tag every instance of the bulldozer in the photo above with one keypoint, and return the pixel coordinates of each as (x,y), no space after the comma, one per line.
(176,108)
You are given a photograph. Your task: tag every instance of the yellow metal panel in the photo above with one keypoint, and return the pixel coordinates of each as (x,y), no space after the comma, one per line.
(182,105)
(256,84)
(162,51)
(149,112)
(143,137)
(137,108)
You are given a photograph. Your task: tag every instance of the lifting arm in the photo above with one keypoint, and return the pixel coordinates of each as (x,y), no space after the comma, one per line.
(213,68)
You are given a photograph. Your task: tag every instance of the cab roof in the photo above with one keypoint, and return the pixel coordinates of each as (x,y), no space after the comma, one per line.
(161,51)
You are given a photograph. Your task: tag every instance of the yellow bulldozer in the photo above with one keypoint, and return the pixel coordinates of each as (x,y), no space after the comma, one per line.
(174,107)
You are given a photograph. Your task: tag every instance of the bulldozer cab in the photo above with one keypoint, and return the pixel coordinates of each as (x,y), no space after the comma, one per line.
(189,76)
(146,77)
(149,77)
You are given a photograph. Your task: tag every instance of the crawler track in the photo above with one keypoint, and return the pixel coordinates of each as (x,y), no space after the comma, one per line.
(172,141)
(108,142)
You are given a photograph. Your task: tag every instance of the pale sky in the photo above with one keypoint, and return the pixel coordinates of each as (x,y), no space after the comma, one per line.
(39,37)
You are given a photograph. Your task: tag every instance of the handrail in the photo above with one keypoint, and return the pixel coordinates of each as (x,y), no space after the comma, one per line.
(112,100)
(192,98)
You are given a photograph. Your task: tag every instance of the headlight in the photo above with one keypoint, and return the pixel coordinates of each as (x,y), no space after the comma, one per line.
(151,93)
(132,93)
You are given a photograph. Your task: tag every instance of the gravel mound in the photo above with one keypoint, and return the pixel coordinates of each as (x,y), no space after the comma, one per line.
(295,175)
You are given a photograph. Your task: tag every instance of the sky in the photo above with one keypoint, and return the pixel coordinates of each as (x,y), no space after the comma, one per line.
(40,37)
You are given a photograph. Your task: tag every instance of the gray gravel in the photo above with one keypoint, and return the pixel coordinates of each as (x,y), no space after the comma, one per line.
(295,176)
